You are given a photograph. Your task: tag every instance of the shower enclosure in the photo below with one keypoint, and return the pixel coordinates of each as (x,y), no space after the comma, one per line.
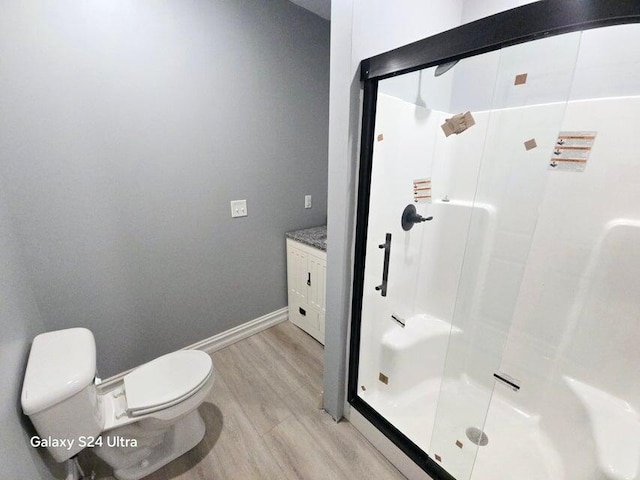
(496,328)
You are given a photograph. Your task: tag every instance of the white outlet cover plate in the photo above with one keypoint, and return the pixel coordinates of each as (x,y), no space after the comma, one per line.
(307,201)
(239,208)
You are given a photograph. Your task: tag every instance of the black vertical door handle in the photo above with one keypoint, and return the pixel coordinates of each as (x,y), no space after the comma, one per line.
(382,288)
(309,278)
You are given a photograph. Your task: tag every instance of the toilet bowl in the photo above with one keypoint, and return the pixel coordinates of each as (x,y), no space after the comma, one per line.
(136,425)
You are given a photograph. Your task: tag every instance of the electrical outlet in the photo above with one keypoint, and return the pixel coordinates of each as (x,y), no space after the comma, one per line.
(239,208)
(307,201)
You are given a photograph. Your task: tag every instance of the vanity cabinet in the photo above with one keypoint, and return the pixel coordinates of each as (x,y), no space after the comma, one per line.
(306,285)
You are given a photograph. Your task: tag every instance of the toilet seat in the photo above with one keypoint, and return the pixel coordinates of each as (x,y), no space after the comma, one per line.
(166,381)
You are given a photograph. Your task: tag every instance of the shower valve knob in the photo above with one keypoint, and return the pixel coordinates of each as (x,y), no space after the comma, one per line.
(410,217)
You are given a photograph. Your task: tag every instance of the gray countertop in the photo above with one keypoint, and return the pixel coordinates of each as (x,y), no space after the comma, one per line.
(315,237)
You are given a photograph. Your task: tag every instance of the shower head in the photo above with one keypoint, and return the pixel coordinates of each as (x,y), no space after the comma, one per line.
(444,68)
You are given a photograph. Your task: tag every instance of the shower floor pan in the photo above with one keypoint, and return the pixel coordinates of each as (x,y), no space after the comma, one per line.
(517,446)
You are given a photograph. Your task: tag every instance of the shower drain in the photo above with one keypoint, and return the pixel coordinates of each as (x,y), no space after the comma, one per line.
(477,436)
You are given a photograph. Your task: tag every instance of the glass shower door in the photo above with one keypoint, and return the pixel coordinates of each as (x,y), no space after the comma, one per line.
(410,281)
(573,340)
(521,123)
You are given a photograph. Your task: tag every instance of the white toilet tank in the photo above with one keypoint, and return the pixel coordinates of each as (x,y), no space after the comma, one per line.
(59,394)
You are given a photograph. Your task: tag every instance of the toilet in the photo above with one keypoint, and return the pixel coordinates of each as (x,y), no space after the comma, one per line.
(136,425)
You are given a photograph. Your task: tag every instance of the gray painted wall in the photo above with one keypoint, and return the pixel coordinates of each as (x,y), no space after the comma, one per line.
(20,321)
(125,130)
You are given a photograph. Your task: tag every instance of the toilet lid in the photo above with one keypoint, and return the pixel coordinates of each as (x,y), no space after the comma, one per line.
(167,380)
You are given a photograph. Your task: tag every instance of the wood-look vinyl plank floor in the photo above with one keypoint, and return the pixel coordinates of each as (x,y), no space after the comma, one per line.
(264,422)
(299,349)
(283,376)
(252,391)
(298,454)
(234,449)
(355,456)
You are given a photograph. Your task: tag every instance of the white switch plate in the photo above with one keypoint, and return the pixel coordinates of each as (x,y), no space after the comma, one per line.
(239,208)
(307,201)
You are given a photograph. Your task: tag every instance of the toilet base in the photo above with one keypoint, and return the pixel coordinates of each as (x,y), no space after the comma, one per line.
(155,447)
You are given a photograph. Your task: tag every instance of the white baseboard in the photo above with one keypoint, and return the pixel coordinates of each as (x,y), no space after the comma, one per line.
(233,335)
(223,339)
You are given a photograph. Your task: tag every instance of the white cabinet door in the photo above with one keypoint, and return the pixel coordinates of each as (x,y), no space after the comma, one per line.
(317,280)
(306,285)
(297,274)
